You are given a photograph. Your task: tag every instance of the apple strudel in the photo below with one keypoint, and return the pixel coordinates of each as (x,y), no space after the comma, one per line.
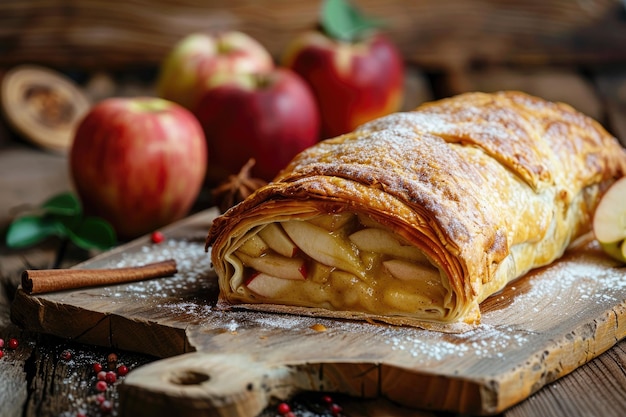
(417,217)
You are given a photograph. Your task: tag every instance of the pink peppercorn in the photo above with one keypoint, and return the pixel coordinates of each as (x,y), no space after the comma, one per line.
(122,370)
(101,386)
(335,409)
(110,377)
(1,343)
(283,408)
(157,237)
(13,343)
(106,406)
(97,367)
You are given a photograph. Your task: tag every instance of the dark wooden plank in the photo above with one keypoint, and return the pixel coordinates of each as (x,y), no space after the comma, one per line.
(28,177)
(611,83)
(13,387)
(99,34)
(567,85)
(596,389)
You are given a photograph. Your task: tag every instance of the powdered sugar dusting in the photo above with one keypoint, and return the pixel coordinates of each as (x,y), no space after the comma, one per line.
(580,282)
(193,264)
(415,347)
(485,342)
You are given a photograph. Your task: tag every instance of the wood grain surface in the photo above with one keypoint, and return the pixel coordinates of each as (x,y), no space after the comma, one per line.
(538,329)
(443,35)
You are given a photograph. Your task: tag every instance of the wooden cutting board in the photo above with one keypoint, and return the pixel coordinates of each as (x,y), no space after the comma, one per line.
(232,363)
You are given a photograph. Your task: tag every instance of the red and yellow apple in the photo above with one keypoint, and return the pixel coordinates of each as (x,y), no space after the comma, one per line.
(267,116)
(138,162)
(353,82)
(609,221)
(199,56)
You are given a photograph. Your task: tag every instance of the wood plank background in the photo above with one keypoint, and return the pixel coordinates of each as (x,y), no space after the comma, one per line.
(451,34)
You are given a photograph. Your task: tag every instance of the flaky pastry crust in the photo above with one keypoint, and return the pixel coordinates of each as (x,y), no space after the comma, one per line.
(487,186)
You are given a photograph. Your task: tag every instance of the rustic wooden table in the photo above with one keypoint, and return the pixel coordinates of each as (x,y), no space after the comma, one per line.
(39,379)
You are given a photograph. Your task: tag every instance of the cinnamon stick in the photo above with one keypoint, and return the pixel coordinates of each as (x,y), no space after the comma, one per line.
(37,281)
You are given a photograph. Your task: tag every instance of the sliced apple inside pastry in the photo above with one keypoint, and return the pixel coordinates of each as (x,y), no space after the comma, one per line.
(381,241)
(266,285)
(326,248)
(332,222)
(254,246)
(276,265)
(409,271)
(277,239)
(340,262)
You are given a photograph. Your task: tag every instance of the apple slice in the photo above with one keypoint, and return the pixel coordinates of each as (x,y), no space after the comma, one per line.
(276,265)
(609,221)
(409,271)
(278,240)
(254,246)
(266,285)
(324,247)
(332,222)
(617,250)
(383,241)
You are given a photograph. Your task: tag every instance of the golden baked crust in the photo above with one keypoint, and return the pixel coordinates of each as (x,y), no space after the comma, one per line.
(487,186)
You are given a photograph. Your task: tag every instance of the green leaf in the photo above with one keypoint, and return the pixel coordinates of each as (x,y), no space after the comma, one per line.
(65,204)
(30,230)
(69,222)
(93,232)
(341,21)
(61,216)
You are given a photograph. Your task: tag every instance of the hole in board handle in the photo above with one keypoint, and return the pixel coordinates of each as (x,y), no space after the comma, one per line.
(188,377)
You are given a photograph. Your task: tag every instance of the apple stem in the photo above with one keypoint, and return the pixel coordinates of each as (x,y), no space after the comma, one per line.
(223,47)
(262,80)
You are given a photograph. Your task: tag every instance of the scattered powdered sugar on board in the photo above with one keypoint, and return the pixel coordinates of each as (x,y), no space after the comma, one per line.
(193,264)
(418,346)
(484,342)
(579,282)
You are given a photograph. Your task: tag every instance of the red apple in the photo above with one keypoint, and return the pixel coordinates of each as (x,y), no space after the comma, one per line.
(269,117)
(199,56)
(138,163)
(354,82)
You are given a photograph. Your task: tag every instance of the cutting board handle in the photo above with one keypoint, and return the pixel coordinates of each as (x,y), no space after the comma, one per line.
(201,384)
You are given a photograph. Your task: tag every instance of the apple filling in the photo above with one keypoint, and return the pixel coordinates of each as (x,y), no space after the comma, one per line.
(339,262)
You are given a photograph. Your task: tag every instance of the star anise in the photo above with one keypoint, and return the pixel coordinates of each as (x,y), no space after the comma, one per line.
(237,188)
